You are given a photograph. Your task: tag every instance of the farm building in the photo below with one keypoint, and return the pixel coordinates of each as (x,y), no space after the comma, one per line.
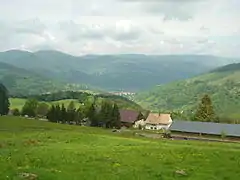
(156,121)
(139,124)
(206,128)
(128,117)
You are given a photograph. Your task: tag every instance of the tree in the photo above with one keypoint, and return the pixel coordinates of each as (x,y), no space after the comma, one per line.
(223,135)
(63,117)
(42,109)
(57,114)
(79,115)
(4,100)
(30,108)
(205,111)
(92,115)
(71,110)
(105,114)
(51,115)
(140,116)
(16,112)
(116,118)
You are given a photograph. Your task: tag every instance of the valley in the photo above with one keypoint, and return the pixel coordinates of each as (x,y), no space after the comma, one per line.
(119,90)
(159,83)
(123,72)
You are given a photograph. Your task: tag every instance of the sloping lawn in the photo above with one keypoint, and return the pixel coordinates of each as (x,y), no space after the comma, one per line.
(54,151)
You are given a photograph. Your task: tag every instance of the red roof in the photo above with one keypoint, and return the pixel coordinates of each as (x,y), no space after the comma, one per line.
(128,116)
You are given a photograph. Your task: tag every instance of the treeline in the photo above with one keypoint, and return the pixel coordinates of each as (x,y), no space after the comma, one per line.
(106,115)
(204,112)
(56,96)
(82,97)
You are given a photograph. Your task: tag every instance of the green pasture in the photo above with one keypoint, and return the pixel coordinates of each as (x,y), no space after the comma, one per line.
(47,151)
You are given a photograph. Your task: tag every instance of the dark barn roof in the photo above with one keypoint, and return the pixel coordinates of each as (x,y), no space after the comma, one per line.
(128,116)
(206,128)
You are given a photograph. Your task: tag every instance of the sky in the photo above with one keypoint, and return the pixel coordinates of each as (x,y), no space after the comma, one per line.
(81,27)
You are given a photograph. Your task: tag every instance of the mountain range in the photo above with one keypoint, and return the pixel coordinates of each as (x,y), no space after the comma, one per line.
(222,84)
(162,82)
(128,72)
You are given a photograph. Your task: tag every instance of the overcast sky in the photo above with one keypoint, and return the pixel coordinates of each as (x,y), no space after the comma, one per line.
(122,26)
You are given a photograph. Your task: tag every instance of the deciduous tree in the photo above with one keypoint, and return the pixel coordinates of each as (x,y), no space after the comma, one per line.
(42,109)
(30,108)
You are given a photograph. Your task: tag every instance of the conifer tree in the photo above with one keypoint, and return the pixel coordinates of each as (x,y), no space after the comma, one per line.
(205,111)
(4,101)
(116,119)
(51,115)
(105,114)
(63,114)
(57,114)
(79,115)
(71,112)
(92,116)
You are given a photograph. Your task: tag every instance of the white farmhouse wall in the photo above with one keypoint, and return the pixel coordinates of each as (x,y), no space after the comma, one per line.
(157,127)
(140,122)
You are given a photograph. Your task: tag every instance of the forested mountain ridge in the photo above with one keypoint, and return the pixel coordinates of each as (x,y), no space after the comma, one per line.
(130,72)
(20,81)
(222,84)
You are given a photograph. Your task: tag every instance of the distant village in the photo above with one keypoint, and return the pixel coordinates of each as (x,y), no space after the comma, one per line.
(122,93)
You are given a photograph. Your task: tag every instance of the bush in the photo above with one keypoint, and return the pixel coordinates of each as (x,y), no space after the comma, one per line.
(16,112)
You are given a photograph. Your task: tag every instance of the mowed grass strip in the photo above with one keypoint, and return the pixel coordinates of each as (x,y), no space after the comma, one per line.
(55,151)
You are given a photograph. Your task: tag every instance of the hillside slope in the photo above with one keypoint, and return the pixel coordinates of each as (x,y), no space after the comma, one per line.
(43,150)
(65,97)
(130,72)
(20,81)
(223,84)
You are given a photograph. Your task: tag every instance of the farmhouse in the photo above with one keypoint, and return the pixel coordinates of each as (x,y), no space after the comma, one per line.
(128,117)
(156,121)
(205,128)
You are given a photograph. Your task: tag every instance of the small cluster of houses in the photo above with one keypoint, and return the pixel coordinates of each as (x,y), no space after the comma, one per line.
(158,121)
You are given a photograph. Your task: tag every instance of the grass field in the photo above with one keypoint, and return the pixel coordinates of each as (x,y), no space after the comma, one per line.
(18,102)
(64,152)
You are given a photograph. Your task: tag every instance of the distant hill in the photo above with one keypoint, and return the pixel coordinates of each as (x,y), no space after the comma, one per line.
(230,67)
(78,97)
(129,72)
(223,84)
(20,81)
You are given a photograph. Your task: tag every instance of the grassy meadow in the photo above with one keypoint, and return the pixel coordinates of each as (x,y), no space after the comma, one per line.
(19,102)
(55,151)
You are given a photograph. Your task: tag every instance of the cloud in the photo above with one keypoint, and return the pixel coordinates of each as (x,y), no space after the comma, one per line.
(122,30)
(170,9)
(120,26)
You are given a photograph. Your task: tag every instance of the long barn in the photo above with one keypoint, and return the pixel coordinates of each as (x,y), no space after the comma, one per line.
(208,128)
